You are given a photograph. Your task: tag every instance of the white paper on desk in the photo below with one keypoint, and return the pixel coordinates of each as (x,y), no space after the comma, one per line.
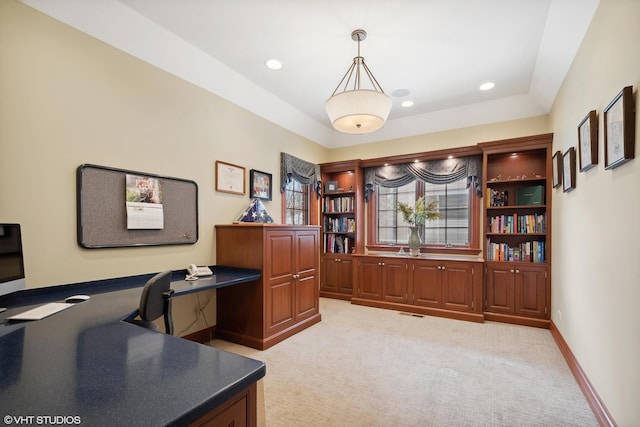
(148,216)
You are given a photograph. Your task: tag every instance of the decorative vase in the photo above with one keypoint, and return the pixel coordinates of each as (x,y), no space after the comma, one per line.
(414,241)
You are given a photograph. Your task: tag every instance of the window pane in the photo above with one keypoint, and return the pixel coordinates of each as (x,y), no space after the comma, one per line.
(297,203)
(391,227)
(452,229)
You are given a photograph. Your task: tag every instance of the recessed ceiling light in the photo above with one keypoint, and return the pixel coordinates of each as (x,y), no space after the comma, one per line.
(407,104)
(487,86)
(273,64)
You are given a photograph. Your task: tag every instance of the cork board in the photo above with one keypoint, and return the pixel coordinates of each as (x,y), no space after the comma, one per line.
(102,210)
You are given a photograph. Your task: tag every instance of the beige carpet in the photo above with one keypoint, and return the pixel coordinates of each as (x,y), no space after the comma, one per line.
(364,366)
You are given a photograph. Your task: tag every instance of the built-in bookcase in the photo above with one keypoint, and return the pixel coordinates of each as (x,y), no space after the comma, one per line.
(342,222)
(517,229)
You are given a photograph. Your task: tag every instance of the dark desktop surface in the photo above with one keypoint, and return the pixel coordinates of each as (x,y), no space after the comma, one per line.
(85,365)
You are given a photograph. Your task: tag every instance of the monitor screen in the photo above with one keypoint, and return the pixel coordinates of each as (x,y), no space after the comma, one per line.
(11,260)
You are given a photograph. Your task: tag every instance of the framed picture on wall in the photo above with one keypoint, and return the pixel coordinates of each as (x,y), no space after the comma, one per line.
(619,129)
(557,169)
(588,141)
(569,170)
(260,185)
(230,178)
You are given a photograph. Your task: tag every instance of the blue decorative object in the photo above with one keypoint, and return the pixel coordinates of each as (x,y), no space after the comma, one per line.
(256,212)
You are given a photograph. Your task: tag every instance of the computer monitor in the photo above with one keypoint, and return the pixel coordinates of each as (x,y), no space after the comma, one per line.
(11,259)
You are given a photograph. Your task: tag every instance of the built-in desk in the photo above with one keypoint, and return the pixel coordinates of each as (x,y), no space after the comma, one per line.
(86,362)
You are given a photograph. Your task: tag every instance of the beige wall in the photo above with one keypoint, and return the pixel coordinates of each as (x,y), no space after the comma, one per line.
(68,99)
(596,269)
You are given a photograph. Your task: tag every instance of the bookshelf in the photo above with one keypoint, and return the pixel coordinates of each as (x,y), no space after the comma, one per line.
(342,226)
(517,229)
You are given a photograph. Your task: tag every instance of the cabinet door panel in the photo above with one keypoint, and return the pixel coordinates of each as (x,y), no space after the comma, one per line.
(500,292)
(307,297)
(307,251)
(280,306)
(530,292)
(330,278)
(457,287)
(426,284)
(394,281)
(345,275)
(282,262)
(369,279)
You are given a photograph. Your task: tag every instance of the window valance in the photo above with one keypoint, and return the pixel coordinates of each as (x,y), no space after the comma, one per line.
(444,171)
(301,170)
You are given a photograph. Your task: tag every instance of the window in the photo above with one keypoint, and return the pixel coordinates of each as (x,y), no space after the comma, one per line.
(296,197)
(452,229)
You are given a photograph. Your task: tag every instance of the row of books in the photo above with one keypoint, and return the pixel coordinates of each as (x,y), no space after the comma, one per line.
(535,223)
(340,225)
(334,244)
(527,252)
(338,204)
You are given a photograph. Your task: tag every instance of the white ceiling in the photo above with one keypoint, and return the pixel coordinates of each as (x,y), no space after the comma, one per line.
(440,50)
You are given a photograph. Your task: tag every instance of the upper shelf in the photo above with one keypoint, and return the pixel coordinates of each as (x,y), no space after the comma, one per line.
(516,181)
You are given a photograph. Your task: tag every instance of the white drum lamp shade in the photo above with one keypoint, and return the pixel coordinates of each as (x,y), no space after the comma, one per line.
(358,110)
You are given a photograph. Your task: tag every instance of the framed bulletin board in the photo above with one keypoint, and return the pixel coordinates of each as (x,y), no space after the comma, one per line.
(105,208)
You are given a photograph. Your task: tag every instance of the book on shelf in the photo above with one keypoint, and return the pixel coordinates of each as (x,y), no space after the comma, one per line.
(496,197)
(514,223)
(339,225)
(532,251)
(336,244)
(338,204)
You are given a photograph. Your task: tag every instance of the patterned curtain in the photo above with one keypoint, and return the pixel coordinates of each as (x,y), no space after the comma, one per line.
(443,171)
(301,170)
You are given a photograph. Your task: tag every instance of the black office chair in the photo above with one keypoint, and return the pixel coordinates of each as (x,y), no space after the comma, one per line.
(155,301)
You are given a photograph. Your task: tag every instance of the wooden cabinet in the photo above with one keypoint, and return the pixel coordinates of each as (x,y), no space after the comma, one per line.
(517,229)
(336,279)
(285,300)
(426,279)
(342,226)
(518,290)
(447,285)
(369,282)
(444,284)
(443,288)
(393,276)
(382,278)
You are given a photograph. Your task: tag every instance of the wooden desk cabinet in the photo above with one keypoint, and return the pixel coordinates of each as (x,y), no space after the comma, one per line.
(285,300)
(239,411)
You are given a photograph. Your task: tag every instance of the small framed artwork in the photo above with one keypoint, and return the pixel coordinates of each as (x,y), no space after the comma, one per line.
(330,186)
(619,129)
(230,178)
(569,170)
(557,169)
(260,185)
(588,141)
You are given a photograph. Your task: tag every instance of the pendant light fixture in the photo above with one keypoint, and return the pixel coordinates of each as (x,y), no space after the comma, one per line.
(361,107)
